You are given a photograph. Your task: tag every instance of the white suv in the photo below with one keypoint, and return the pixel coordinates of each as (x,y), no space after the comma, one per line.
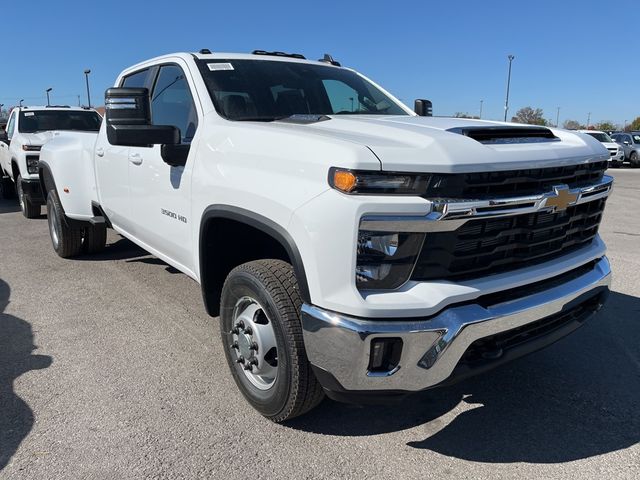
(27,130)
(615,150)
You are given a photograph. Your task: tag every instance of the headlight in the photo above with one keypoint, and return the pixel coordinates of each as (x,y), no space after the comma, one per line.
(32,164)
(385,259)
(31,148)
(373,183)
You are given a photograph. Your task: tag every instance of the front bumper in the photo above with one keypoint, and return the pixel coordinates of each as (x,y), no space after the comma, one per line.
(339,346)
(33,191)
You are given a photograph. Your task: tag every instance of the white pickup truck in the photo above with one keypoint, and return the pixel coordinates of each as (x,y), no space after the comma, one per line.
(350,246)
(27,129)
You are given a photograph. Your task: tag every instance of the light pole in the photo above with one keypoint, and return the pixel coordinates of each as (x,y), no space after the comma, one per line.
(21,100)
(48,90)
(1,105)
(86,77)
(557,117)
(506,101)
(588,120)
(480,116)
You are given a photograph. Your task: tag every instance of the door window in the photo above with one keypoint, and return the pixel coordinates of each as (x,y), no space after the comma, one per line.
(172,102)
(136,80)
(11,126)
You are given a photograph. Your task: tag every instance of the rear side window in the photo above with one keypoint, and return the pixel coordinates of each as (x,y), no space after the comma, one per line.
(136,80)
(172,102)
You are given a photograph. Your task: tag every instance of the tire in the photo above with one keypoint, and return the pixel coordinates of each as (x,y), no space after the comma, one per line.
(29,210)
(265,292)
(95,238)
(7,188)
(66,239)
(633,158)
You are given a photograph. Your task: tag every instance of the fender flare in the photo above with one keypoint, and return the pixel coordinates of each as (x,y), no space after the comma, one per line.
(263,224)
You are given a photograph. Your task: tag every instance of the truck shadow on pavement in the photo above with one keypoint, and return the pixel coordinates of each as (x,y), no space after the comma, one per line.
(9,206)
(576,399)
(16,358)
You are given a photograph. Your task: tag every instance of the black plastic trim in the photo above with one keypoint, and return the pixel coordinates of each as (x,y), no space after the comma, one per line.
(261,223)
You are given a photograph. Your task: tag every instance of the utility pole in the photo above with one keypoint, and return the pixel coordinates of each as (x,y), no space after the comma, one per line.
(86,76)
(557,117)
(480,116)
(506,101)
(625,126)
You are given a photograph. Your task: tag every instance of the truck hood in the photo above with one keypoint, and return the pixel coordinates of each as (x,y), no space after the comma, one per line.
(39,138)
(427,144)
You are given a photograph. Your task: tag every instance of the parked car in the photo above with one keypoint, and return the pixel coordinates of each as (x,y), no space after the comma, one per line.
(630,142)
(350,246)
(28,128)
(616,151)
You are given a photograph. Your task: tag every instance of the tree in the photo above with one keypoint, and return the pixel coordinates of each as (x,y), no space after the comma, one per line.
(635,125)
(572,125)
(605,125)
(464,115)
(530,116)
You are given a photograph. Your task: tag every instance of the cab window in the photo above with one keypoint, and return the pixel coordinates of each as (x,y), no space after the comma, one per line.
(11,126)
(172,102)
(136,80)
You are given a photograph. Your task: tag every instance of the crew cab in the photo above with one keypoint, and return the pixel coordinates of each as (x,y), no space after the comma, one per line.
(350,246)
(27,129)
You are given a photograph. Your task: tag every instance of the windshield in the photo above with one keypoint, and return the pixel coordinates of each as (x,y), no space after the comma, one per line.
(42,120)
(271,90)
(601,137)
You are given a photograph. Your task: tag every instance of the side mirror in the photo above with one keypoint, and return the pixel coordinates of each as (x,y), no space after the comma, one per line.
(423,108)
(128,117)
(626,142)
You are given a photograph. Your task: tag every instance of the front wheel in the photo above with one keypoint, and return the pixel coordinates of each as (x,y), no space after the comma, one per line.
(66,239)
(633,159)
(29,210)
(262,339)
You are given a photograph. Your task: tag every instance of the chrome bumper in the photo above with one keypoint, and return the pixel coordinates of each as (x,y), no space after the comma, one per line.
(432,347)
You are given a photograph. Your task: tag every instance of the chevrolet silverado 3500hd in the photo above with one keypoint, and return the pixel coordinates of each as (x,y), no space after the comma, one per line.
(350,246)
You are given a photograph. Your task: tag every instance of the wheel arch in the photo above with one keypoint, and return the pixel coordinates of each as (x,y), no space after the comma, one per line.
(269,238)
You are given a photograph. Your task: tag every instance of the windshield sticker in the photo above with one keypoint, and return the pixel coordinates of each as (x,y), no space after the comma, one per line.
(219,66)
(29,114)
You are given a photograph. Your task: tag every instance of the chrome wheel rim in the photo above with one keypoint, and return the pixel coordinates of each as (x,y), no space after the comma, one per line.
(253,344)
(54,226)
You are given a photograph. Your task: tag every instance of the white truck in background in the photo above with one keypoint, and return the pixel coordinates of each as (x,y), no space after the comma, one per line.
(27,129)
(351,247)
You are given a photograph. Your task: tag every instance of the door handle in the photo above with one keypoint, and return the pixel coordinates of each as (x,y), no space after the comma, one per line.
(135,158)
(100,152)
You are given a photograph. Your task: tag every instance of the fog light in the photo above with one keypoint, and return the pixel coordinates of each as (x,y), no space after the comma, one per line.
(385,354)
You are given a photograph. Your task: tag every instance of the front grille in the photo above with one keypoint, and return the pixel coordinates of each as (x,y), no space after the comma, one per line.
(493,347)
(489,246)
(513,182)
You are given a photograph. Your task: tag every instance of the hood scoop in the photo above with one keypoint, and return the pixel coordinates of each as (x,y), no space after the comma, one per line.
(502,135)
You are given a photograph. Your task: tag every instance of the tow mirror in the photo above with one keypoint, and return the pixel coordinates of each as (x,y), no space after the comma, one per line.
(128,117)
(424,108)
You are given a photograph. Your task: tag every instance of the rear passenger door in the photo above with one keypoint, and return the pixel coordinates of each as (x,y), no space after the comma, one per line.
(161,194)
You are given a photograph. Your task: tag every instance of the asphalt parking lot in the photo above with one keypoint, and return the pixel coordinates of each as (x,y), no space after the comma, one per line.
(110,368)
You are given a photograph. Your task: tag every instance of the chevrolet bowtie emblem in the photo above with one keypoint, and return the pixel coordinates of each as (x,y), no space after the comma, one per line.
(561,198)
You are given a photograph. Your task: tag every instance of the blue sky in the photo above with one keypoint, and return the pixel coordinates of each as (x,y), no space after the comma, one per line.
(568,54)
